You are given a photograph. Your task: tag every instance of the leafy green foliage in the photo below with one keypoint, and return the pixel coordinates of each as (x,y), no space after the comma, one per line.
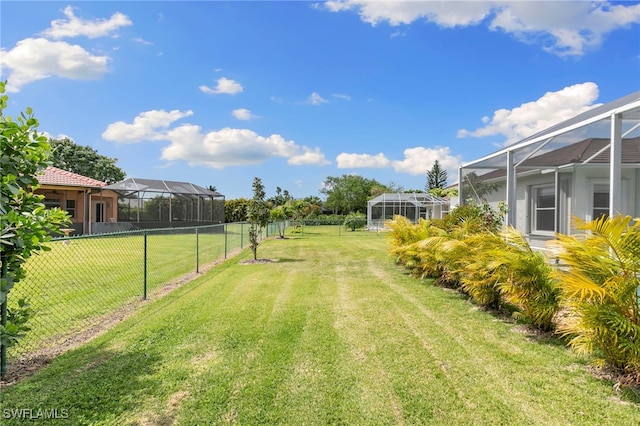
(601,289)
(17,323)
(436,177)
(25,224)
(257,215)
(281,197)
(235,210)
(474,188)
(466,252)
(348,193)
(85,161)
(280,214)
(355,221)
(484,217)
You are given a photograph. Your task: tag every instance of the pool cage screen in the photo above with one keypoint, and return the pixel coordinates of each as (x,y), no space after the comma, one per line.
(153,203)
(413,206)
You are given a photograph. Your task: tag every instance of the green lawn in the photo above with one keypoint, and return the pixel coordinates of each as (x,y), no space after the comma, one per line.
(73,286)
(331,333)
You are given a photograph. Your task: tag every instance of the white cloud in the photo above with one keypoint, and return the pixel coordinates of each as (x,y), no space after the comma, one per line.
(217,149)
(148,125)
(416,160)
(405,12)
(38,58)
(348,161)
(564,28)
(342,96)
(234,147)
(58,136)
(308,156)
(224,86)
(143,41)
(74,26)
(419,159)
(316,99)
(243,114)
(531,117)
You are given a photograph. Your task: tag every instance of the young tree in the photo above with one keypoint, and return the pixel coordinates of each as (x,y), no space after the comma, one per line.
(257,215)
(85,161)
(436,177)
(25,223)
(279,215)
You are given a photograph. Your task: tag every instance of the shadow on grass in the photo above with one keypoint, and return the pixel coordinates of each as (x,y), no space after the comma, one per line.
(103,385)
(289,260)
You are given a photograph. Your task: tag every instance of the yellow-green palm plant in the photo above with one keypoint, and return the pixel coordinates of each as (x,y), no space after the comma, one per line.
(430,263)
(451,251)
(525,279)
(480,277)
(403,238)
(600,287)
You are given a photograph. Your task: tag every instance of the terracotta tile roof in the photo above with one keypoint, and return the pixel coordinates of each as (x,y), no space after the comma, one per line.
(56,176)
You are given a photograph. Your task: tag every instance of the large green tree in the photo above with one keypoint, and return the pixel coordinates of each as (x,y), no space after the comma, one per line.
(348,193)
(436,178)
(25,224)
(85,161)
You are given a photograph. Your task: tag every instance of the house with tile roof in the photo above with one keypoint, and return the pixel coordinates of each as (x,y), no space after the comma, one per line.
(87,201)
(585,167)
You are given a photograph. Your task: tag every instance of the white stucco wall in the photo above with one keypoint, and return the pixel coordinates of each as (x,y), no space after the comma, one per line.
(578,183)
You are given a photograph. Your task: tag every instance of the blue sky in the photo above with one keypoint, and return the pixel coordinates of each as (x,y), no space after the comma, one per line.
(216,93)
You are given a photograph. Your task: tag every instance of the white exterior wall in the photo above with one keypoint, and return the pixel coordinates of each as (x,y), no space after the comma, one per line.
(586,176)
(578,200)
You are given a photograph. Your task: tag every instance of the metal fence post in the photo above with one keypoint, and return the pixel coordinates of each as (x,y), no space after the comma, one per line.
(241,234)
(144,294)
(197,253)
(224,228)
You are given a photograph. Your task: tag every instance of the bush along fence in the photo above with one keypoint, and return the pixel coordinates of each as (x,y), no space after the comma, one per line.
(588,292)
(83,281)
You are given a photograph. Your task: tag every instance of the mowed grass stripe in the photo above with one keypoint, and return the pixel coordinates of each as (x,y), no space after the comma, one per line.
(332,333)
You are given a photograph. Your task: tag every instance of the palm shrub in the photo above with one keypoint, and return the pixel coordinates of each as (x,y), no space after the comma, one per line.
(525,280)
(480,273)
(355,221)
(451,251)
(402,237)
(600,288)
(431,260)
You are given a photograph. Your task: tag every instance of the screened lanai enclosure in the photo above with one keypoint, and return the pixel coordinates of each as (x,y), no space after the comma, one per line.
(150,203)
(413,206)
(584,167)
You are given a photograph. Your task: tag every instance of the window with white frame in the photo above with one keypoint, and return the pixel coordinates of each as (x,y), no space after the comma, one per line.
(544,209)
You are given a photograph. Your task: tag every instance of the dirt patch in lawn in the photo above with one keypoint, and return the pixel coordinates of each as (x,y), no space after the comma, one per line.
(29,364)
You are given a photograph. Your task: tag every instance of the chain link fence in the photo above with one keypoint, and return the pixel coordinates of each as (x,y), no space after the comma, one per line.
(83,281)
